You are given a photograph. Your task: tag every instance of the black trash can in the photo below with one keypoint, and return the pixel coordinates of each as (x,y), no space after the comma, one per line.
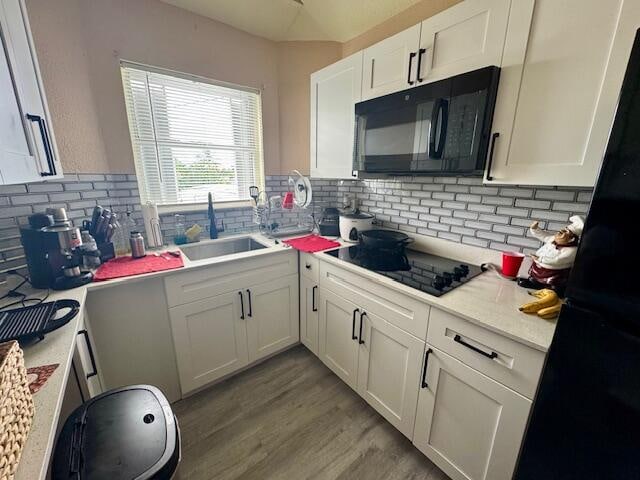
(126,433)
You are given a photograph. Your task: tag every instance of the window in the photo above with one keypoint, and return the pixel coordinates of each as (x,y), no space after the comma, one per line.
(192,136)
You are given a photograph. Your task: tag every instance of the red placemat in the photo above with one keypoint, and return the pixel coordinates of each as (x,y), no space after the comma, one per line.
(311,243)
(128,266)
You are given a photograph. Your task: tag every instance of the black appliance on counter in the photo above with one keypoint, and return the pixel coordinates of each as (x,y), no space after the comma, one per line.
(52,250)
(441,128)
(429,273)
(329,224)
(126,433)
(585,421)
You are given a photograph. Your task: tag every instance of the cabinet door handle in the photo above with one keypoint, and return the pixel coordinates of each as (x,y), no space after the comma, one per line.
(250,314)
(241,306)
(421,53)
(424,368)
(411,57)
(307,266)
(46,141)
(494,137)
(353,324)
(313,299)
(90,349)
(362,315)
(459,340)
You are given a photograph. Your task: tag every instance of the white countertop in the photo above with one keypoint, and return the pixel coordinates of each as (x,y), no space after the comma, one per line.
(487,300)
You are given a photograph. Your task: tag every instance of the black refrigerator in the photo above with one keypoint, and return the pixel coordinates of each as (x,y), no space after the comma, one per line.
(585,421)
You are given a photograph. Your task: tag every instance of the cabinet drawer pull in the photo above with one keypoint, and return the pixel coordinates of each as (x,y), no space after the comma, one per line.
(314,308)
(250,314)
(494,137)
(459,340)
(241,306)
(91,356)
(424,369)
(411,57)
(353,325)
(421,53)
(362,315)
(46,141)
(307,266)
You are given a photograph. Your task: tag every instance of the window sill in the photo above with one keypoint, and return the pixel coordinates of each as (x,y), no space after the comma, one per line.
(199,207)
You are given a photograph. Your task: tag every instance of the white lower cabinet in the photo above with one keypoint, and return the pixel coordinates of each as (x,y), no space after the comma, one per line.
(375,358)
(468,424)
(309,301)
(220,334)
(272,316)
(210,338)
(389,371)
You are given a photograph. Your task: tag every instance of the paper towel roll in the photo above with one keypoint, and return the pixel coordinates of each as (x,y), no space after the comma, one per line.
(152,224)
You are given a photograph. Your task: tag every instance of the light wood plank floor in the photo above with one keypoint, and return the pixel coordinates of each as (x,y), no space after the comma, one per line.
(292,418)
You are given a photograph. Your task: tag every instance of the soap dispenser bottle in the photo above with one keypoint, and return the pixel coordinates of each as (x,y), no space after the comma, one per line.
(213,229)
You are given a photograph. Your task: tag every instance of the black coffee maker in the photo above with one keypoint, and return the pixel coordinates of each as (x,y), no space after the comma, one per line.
(51,246)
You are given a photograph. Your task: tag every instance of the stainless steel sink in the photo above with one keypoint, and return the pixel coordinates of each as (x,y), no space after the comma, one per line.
(219,248)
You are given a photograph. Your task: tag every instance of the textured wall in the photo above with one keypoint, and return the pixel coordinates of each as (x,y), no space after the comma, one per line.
(464,210)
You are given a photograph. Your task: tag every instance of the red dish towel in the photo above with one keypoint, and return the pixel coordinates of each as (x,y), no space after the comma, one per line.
(128,266)
(311,243)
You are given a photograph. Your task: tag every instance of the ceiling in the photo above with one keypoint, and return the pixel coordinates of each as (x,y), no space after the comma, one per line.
(334,20)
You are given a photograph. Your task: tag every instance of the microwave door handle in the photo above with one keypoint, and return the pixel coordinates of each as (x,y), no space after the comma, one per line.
(436,150)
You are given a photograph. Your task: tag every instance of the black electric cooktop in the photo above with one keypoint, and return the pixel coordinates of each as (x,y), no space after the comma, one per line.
(428,273)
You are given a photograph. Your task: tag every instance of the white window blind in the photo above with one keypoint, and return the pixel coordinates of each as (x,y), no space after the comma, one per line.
(191,137)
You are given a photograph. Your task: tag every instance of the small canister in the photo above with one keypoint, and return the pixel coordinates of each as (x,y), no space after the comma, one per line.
(137,245)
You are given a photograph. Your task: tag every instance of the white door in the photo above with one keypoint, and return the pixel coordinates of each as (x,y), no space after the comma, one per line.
(390,65)
(272,316)
(389,364)
(27,145)
(210,338)
(559,89)
(309,301)
(338,341)
(465,37)
(334,92)
(468,424)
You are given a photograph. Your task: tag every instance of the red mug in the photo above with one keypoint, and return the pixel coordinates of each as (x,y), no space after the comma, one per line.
(287,202)
(511,262)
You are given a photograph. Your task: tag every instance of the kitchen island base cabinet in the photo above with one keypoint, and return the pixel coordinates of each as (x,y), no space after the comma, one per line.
(210,338)
(272,316)
(467,424)
(378,360)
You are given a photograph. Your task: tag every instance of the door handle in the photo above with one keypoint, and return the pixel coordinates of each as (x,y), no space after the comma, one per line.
(458,339)
(313,299)
(91,356)
(353,324)
(494,137)
(241,306)
(46,141)
(362,315)
(250,314)
(424,369)
(421,53)
(411,57)
(440,105)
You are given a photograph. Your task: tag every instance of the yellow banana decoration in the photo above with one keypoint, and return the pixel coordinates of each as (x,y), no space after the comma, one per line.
(550,312)
(546,298)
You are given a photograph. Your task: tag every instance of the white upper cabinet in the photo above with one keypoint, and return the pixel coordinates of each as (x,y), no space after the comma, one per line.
(562,70)
(28,150)
(390,65)
(465,37)
(334,92)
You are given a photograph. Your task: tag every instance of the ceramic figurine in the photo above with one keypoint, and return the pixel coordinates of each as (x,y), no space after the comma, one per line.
(552,262)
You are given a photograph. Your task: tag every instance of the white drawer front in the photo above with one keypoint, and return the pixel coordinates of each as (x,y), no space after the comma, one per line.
(310,266)
(193,285)
(398,309)
(511,363)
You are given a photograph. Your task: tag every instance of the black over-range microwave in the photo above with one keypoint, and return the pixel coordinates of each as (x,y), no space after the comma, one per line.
(441,128)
